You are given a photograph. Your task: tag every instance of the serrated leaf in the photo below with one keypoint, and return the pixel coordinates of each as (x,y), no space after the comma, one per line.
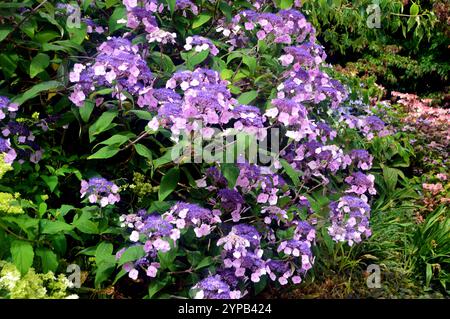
(22,255)
(49,260)
(54,227)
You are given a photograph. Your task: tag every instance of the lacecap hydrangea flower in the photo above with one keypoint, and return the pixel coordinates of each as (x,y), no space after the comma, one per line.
(99,190)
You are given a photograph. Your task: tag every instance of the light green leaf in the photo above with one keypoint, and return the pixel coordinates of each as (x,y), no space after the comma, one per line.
(200,20)
(143,151)
(247,97)
(54,227)
(105,152)
(131,254)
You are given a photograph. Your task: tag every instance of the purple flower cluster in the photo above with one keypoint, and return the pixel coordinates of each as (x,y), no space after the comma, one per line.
(154,233)
(118,65)
(99,190)
(185,215)
(184,5)
(9,154)
(14,130)
(142,12)
(214,287)
(361,184)
(199,44)
(350,220)
(369,126)
(205,103)
(283,27)
(362,159)
(316,159)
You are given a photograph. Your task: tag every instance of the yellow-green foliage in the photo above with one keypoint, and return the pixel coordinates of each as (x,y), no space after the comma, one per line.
(4,167)
(32,285)
(9,204)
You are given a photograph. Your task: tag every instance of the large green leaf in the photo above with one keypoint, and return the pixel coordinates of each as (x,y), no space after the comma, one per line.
(168,183)
(35,90)
(131,254)
(102,124)
(22,255)
(49,260)
(54,226)
(105,152)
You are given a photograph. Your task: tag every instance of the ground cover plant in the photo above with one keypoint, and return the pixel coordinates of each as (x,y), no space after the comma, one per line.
(207,149)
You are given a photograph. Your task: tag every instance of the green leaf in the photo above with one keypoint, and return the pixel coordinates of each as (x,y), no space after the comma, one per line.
(390,177)
(250,62)
(49,259)
(103,272)
(8,62)
(84,224)
(105,152)
(205,262)
(166,259)
(247,97)
(200,20)
(102,124)
(39,63)
(35,90)
(51,181)
(194,58)
(414,10)
(119,13)
(143,115)
(293,174)
(285,4)
(231,173)
(22,255)
(168,183)
(131,254)
(118,139)
(104,252)
(156,285)
(143,151)
(171,4)
(86,110)
(4,31)
(54,227)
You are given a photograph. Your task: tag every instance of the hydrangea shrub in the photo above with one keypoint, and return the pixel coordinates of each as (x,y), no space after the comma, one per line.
(168,75)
